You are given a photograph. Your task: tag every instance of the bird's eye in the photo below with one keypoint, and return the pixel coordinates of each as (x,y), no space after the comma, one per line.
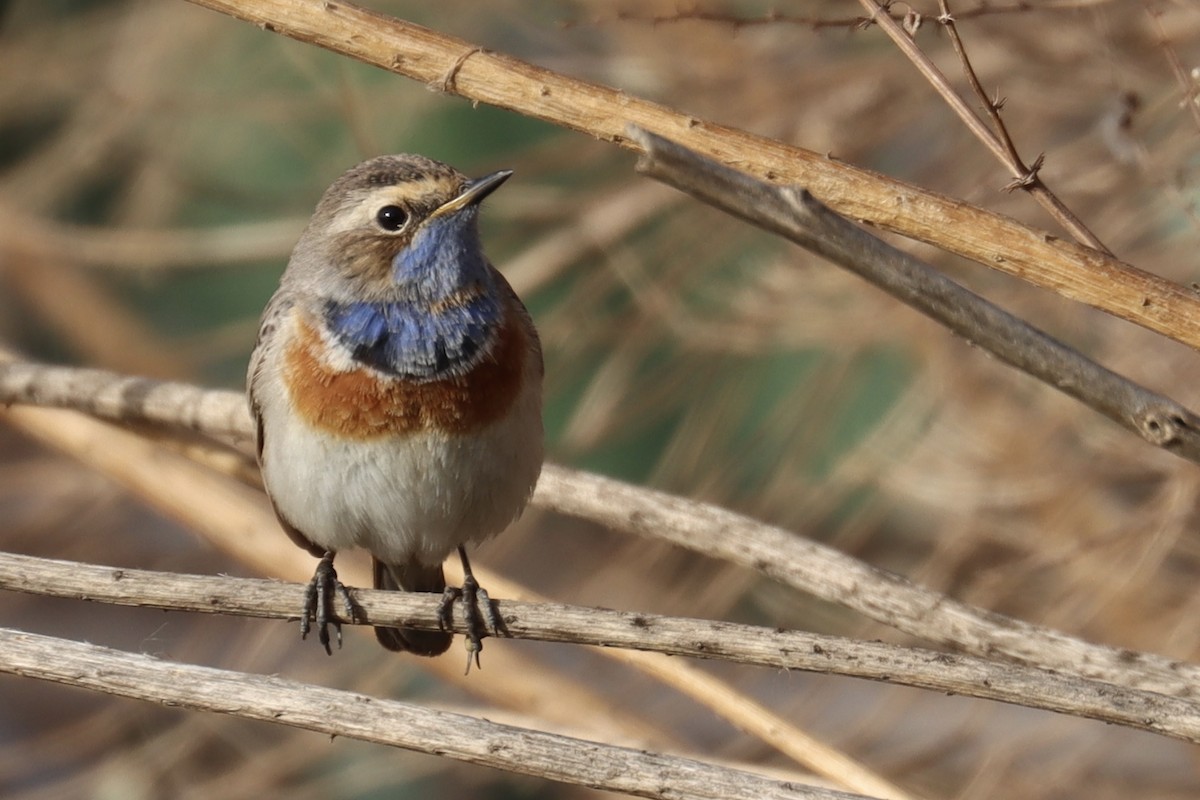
(391,218)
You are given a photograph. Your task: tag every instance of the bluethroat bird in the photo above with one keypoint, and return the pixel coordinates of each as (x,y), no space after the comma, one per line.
(397,389)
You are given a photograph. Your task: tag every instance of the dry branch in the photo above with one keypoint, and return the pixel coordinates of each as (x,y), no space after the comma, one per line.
(129,400)
(743,644)
(239,522)
(838,578)
(339,713)
(797,216)
(780,554)
(449,64)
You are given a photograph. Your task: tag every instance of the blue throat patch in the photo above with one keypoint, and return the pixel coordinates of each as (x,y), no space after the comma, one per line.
(407,337)
(408,340)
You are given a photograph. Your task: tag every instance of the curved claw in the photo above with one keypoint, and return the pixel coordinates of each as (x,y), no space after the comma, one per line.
(478,612)
(318,601)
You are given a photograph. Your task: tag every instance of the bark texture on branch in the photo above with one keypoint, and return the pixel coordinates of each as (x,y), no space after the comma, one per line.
(449,64)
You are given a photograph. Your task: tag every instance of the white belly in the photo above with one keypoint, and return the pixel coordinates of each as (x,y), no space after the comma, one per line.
(408,497)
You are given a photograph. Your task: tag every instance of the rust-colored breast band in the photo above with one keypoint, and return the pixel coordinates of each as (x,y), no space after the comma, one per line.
(363,404)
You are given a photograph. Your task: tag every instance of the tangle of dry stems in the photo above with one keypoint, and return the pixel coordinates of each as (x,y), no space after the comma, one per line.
(780,554)
(1074,271)
(878,594)
(886,596)
(236,520)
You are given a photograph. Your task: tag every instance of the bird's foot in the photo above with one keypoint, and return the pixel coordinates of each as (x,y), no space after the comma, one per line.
(478,612)
(318,604)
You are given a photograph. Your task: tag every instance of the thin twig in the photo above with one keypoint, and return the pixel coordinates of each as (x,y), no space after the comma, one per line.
(718,533)
(390,722)
(1187,84)
(982,9)
(992,106)
(1023,177)
(1074,271)
(742,644)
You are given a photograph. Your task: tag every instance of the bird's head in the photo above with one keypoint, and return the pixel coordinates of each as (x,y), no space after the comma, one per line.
(392,263)
(400,227)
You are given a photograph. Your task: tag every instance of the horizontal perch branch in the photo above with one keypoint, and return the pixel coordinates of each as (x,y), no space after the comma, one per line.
(716,532)
(388,722)
(745,644)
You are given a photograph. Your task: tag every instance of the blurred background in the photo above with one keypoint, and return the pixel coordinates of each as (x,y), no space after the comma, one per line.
(158,160)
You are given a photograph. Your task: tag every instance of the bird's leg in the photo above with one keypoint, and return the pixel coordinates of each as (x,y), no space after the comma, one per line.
(478,620)
(318,599)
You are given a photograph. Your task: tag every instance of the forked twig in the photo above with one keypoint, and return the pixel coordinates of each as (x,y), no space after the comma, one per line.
(991,104)
(1024,177)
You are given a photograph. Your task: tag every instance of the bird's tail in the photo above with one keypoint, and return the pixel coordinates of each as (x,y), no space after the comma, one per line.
(411,578)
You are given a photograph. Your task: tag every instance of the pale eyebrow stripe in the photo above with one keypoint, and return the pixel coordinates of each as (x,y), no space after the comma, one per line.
(356,214)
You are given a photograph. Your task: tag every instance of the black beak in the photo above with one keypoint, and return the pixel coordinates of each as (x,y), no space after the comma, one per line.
(474,192)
